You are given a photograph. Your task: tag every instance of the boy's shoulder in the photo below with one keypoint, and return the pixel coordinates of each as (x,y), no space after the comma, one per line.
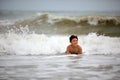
(78,45)
(69,46)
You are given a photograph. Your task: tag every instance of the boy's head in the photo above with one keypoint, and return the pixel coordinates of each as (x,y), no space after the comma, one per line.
(73,40)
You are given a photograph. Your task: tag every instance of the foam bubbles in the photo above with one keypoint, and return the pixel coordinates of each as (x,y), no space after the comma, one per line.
(99,44)
(37,44)
(33,44)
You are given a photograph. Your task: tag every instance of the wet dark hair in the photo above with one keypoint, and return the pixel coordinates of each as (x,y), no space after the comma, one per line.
(72,37)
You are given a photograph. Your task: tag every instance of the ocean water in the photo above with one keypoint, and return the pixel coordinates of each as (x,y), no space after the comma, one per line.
(33,44)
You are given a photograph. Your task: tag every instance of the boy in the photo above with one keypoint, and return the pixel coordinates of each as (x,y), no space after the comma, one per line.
(73,48)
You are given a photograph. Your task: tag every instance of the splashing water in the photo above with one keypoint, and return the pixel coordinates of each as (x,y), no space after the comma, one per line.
(32,48)
(25,43)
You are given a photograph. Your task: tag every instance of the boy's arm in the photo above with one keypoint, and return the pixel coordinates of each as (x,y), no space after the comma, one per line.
(67,50)
(80,50)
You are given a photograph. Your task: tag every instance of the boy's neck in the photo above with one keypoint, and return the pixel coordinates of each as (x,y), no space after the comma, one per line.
(73,45)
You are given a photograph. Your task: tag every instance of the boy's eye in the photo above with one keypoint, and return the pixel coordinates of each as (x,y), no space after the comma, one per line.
(74,40)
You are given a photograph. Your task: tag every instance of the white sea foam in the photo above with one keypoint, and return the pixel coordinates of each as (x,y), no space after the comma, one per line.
(93,44)
(36,44)
(6,22)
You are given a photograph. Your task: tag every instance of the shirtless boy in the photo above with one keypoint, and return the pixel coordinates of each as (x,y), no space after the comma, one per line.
(73,48)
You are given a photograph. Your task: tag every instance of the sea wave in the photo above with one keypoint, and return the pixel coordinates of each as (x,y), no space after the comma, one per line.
(26,43)
(48,23)
(59,20)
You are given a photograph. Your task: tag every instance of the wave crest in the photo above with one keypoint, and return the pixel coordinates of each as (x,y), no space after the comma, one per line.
(58,20)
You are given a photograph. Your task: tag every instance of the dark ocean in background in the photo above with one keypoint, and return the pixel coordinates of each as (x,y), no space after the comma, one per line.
(32,45)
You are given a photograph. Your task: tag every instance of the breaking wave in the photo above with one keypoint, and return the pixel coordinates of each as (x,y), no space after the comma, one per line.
(58,20)
(26,43)
(48,23)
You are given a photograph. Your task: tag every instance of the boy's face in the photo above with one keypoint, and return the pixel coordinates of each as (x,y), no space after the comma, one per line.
(74,41)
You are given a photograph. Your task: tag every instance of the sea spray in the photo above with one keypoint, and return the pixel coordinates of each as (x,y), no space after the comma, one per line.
(27,43)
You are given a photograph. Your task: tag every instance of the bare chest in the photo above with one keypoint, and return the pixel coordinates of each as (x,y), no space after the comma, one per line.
(74,49)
